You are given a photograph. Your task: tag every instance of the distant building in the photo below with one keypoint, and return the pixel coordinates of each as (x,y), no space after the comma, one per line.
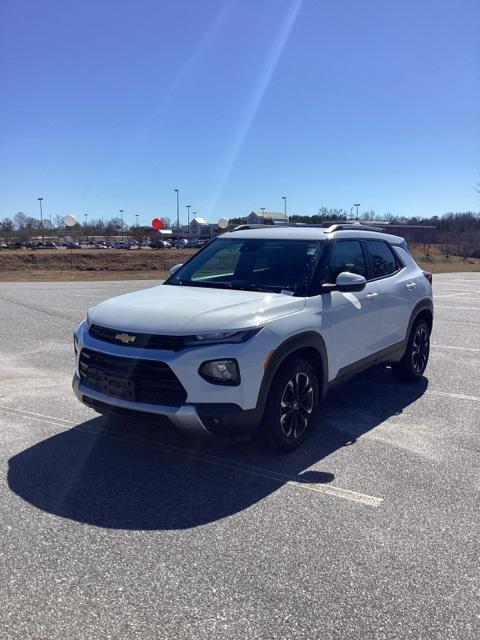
(265,217)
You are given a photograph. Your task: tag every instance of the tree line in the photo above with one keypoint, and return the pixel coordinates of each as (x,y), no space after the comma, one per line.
(454,222)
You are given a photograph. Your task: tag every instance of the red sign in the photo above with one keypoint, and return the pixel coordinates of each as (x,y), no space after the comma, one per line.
(157,223)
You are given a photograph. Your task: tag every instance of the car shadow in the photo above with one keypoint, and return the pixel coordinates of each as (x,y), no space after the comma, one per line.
(126,473)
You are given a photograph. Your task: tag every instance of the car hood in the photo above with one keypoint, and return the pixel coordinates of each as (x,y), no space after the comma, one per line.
(171,310)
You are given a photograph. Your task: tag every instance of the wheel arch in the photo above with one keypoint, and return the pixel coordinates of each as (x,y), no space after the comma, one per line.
(423,309)
(309,345)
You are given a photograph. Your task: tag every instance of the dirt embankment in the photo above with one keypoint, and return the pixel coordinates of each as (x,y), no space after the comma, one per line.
(89,264)
(118,264)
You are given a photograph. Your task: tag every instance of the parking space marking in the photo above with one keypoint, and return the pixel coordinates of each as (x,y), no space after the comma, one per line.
(444,346)
(444,306)
(447,394)
(217,461)
(39,417)
(458,396)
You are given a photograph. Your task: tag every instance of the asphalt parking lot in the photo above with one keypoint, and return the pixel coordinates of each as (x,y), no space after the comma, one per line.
(127,529)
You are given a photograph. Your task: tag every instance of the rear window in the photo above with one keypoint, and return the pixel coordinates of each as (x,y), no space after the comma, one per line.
(383,260)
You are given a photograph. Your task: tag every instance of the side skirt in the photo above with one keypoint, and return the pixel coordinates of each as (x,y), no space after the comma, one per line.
(385,356)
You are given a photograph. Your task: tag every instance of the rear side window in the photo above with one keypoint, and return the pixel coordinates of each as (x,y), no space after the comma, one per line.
(347,255)
(382,257)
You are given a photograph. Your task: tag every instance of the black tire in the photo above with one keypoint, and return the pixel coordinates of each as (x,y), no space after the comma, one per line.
(292,405)
(414,362)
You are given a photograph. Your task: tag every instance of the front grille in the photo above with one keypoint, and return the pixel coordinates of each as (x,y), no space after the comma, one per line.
(142,340)
(154,382)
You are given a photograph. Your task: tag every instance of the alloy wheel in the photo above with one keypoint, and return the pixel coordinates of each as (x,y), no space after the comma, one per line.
(420,350)
(296,405)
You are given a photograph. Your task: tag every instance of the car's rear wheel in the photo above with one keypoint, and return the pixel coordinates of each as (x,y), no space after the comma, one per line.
(292,405)
(414,362)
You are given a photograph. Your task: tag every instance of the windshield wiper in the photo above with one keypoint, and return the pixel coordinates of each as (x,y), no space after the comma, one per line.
(276,288)
(204,283)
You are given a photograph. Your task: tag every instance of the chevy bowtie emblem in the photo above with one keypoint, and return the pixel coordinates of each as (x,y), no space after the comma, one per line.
(125,338)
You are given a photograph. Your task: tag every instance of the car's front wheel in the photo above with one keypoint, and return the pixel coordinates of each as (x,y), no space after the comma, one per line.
(292,405)
(414,362)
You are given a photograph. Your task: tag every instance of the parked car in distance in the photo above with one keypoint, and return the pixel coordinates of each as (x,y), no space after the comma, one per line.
(180,244)
(194,244)
(72,245)
(160,244)
(121,244)
(251,332)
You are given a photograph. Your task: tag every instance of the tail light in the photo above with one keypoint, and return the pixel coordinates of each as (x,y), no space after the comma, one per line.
(428,276)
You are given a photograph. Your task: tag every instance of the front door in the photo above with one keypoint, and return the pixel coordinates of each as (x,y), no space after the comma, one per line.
(350,321)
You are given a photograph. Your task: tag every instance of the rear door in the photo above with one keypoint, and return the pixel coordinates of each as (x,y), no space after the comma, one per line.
(395,298)
(352,319)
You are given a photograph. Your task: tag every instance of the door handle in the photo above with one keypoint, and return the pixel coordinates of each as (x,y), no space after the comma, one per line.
(411,285)
(371,296)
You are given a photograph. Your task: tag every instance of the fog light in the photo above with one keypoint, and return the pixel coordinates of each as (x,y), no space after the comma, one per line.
(221,371)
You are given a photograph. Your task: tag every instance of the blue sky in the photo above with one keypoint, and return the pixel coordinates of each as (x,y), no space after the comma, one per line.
(111,105)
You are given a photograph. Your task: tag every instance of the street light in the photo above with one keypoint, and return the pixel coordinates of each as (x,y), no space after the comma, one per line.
(121,218)
(357,205)
(178,215)
(284,198)
(41,216)
(188,217)
(136,216)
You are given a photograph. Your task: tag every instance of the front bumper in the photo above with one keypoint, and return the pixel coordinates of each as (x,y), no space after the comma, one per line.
(218,419)
(185,417)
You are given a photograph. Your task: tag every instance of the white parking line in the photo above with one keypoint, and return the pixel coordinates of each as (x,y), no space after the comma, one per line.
(444,306)
(444,346)
(232,465)
(446,394)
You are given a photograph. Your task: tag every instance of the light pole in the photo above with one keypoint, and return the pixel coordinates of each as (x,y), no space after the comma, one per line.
(357,205)
(284,198)
(188,217)
(178,215)
(136,216)
(121,218)
(41,216)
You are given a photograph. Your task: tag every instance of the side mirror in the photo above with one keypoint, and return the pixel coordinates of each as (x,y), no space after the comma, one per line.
(346,282)
(175,268)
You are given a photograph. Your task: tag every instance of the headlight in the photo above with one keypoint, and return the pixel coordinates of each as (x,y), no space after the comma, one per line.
(220,371)
(75,344)
(88,320)
(220,337)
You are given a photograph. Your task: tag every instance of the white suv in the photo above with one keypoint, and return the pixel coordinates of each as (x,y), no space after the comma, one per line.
(250,333)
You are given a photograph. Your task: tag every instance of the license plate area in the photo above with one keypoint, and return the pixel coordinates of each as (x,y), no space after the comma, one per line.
(118,387)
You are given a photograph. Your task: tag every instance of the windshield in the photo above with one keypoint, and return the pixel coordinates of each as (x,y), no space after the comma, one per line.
(252,264)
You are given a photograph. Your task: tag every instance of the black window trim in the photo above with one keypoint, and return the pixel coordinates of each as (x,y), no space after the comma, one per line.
(398,262)
(328,253)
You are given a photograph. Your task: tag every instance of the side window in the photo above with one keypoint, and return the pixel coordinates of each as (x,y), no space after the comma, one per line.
(383,260)
(347,255)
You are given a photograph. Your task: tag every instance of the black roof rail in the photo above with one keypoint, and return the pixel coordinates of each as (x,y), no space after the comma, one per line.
(243,227)
(352,227)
